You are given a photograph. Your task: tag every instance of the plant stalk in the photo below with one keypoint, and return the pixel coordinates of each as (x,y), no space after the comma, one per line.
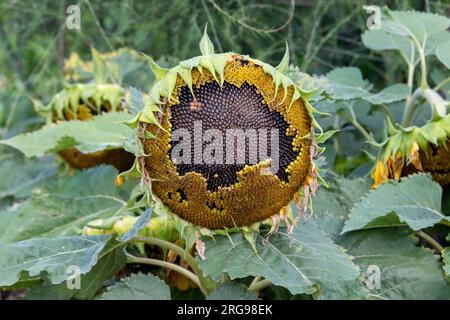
(411,108)
(207,284)
(155,262)
(259,285)
(436,245)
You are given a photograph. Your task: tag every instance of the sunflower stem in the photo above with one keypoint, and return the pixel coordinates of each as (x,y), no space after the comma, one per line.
(207,284)
(441,84)
(411,108)
(255,280)
(436,245)
(160,263)
(259,285)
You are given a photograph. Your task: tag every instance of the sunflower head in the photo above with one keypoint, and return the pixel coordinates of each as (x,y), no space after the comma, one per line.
(416,149)
(231,139)
(97,91)
(82,101)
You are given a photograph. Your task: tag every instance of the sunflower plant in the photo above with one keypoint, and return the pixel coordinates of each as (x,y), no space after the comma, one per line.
(411,144)
(233,183)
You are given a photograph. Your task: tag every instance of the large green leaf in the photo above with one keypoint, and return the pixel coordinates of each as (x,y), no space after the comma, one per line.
(306,261)
(138,287)
(102,132)
(442,53)
(65,206)
(393,93)
(331,206)
(111,260)
(49,258)
(232,291)
(405,30)
(406,270)
(416,201)
(140,224)
(413,24)
(347,83)
(21,175)
(379,39)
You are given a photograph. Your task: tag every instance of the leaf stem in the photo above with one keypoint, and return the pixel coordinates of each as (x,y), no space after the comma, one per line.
(207,284)
(169,246)
(155,262)
(259,285)
(411,108)
(336,142)
(255,280)
(423,64)
(441,84)
(431,241)
(358,125)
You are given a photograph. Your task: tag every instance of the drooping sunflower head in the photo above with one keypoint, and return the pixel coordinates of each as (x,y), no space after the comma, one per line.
(98,90)
(82,101)
(94,86)
(416,149)
(231,139)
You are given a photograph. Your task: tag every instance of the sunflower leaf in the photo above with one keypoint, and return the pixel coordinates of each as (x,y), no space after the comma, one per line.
(416,202)
(446,260)
(138,287)
(413,24)
(347,83)
(21,175)
(100,133)
(232,291)
(393,93)
(442,53)
(379,39)
(64,206)
(111,261)
(394,266)
(140,224)
(49,257)
(291,261)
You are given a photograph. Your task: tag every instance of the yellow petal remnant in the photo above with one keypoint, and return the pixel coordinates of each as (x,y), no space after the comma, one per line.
(119,181)
(380,174)
(416,149)
(414,157)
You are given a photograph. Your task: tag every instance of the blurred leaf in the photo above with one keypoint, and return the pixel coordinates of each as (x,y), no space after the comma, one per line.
(442,53)
(140,224)
(390,94)
(232,291)
(347,83)
(100,133)
(406,270)
(332,206)
(416,201)
(21,175)
(446,261)
(306,261)
(138,287)
(420,25)
(111,262)
(379,39)
(49,257)
(65,206)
